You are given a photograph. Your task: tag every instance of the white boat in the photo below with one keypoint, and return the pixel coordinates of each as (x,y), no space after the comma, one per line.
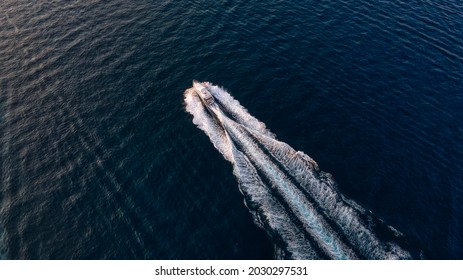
(203,93)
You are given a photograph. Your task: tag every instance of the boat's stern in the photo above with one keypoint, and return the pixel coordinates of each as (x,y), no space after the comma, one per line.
(203,93)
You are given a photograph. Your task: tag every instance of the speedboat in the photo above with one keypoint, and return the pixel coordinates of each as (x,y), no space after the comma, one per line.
(203,93)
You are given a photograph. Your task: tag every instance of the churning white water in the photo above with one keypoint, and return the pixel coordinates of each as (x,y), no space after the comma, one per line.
(296,203)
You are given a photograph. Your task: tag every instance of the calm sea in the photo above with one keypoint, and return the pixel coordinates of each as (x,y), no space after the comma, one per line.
(99,160)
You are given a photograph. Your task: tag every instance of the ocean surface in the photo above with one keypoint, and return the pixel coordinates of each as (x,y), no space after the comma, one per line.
(99,158)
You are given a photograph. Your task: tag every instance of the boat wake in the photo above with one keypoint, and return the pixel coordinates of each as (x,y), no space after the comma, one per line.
(288,196)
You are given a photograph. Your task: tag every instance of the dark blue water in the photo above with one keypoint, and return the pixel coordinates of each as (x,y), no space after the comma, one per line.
(100,160)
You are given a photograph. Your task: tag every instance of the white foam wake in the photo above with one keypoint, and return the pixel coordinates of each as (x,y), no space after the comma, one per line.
(298,206)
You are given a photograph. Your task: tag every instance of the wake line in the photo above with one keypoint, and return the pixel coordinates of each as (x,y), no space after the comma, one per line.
(298,205)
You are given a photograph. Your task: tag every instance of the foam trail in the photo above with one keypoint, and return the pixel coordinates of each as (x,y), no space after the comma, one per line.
(298,206)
